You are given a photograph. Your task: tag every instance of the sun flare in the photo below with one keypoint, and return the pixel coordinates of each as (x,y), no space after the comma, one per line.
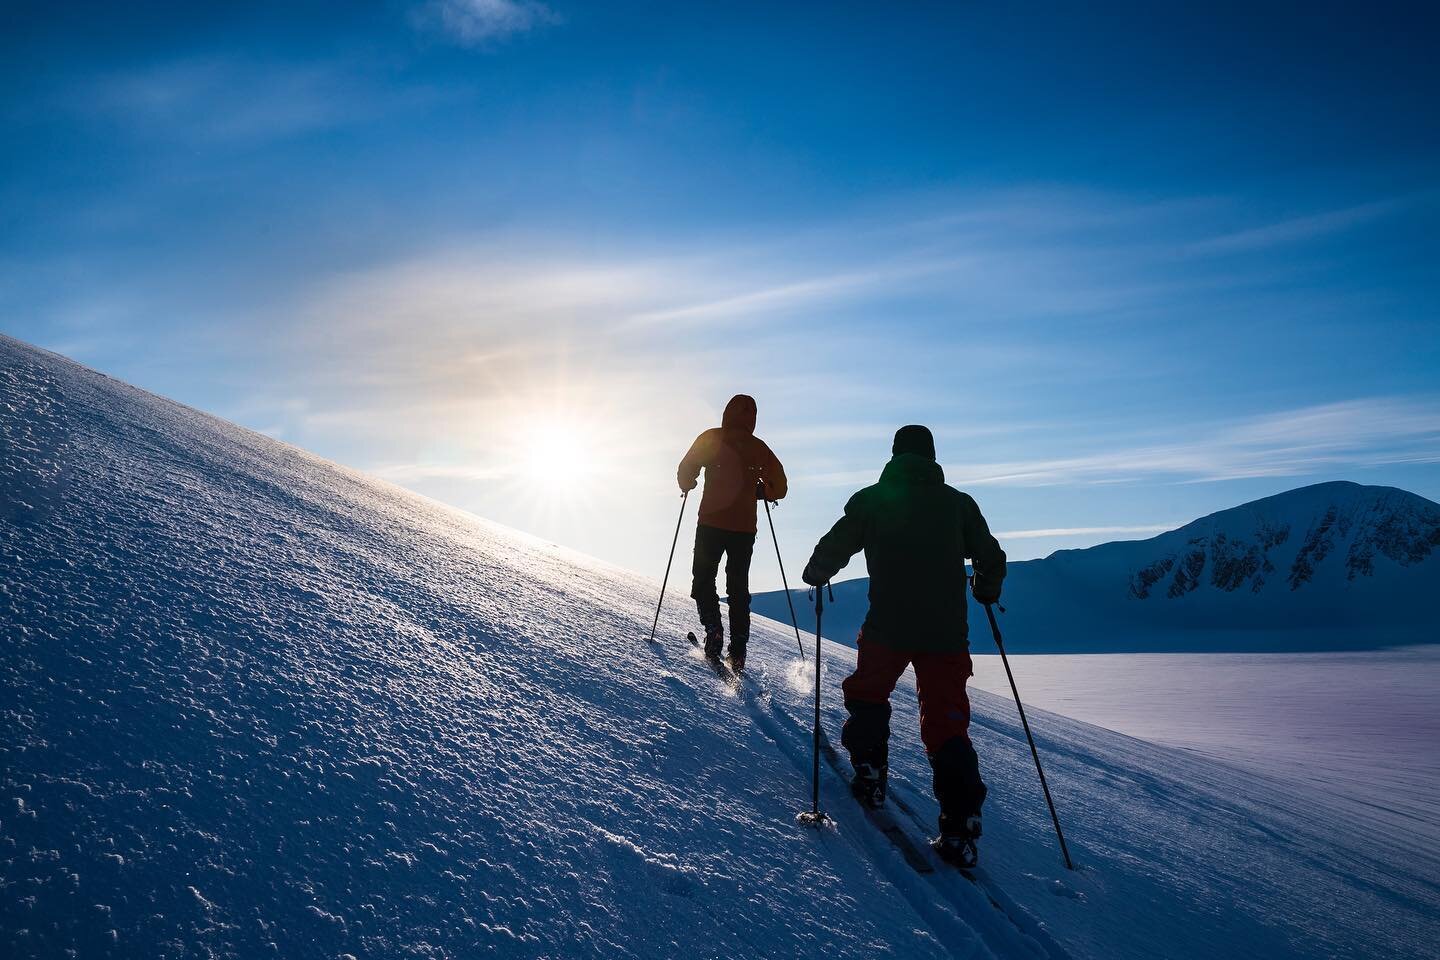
(558,458)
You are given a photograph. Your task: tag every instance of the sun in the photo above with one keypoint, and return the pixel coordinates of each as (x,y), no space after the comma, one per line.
(557,458)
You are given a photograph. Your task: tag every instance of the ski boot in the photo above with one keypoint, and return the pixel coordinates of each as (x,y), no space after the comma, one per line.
(956,843)
(714,642)
(736,659)
(868,784)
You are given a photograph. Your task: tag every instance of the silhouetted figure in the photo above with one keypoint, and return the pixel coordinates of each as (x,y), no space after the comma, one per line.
(916,532)
(739,471)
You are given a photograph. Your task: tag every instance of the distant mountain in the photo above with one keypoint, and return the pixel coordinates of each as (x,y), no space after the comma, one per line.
(1331,566)
(1282,542)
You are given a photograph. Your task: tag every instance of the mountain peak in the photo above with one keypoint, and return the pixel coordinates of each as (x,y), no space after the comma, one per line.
(1334,532)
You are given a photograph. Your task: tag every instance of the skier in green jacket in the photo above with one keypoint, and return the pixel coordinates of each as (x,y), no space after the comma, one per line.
(916,532)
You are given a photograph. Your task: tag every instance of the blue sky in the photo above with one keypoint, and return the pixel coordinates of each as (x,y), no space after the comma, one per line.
(1133,264)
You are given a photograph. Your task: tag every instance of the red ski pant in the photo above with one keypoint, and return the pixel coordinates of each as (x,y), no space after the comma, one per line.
(939,681)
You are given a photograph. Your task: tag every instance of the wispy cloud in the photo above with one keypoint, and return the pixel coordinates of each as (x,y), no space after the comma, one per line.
(790,293)
(1323,439)
(483,319)
(1305,228)
(475,23)
(472,337)
(226,100)
(1019,253)
(1355,434)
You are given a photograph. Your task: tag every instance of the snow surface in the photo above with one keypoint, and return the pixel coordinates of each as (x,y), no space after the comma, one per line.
(257,704)
(1359,727)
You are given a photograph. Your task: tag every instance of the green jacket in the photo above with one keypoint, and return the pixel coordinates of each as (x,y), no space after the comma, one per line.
(916,532)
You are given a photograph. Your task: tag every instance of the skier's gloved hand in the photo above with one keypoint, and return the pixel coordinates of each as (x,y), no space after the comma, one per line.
(692,486)
(984,592)
(813,575)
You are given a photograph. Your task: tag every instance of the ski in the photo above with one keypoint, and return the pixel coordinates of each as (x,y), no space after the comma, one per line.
(985,884)
(920,856)
(974,874)
(969,873)
(915,855)
(722,670)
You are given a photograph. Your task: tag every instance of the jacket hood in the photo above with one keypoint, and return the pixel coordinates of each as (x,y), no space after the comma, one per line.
(914,439)
(912,468)
(739,414)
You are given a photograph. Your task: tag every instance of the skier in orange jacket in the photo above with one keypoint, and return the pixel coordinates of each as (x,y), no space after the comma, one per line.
(739,470)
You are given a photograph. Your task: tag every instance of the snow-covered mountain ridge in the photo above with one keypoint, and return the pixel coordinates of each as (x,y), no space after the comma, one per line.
(1335,565)
(255,704)
(1284,541)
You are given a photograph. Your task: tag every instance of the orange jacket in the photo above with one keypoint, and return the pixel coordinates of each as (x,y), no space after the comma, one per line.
(734,460)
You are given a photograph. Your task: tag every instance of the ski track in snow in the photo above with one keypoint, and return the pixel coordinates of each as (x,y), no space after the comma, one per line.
(257,704)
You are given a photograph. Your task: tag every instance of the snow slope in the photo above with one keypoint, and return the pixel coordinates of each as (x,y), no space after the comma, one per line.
(256,704)
(1332,566)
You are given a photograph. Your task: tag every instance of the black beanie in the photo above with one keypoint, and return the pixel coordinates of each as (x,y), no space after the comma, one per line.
(914,439)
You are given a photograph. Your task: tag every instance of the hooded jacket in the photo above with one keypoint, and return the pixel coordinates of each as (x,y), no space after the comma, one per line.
(916,532)
(734,460)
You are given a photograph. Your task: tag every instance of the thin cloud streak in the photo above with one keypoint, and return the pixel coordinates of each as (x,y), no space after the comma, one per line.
(792,293)
(1354,434)
(1359,433)
(224,101)
(465,336)
(1036,266)
(1309,227)
(1298,229)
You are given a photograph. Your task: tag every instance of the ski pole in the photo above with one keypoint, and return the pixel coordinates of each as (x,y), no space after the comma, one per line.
(1054,817)
(814,817)
(678,520)
(760,489)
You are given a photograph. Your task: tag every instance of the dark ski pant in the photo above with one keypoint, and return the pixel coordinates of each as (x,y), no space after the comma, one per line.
(711,543)
(944,719)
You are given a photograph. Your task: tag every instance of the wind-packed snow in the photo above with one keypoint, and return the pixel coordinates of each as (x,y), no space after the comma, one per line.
(256,704)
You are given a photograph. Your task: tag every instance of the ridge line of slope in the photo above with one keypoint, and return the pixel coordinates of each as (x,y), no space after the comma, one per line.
(223,426)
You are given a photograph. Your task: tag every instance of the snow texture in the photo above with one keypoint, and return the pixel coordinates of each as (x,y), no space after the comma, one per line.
(1332,566)
(257,704)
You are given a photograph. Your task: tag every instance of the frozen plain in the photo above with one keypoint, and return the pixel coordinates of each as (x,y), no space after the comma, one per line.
(257,704)
(1358,728)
